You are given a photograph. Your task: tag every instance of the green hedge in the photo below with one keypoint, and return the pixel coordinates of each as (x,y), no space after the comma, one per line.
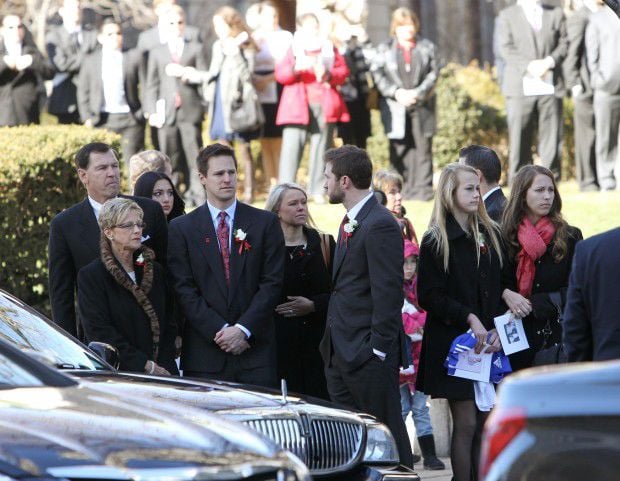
(37,180)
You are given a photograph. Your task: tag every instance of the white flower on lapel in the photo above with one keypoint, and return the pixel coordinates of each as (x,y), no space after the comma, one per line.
(240,238)
(349,228)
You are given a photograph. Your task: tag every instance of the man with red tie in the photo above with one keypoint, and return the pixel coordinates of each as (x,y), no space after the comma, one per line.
(227,265)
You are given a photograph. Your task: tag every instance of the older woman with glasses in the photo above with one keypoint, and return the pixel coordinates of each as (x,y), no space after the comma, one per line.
(122,296)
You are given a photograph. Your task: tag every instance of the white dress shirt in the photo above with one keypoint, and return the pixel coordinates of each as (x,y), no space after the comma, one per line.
(96,207)
(114,101)
(230,219)
(486,196)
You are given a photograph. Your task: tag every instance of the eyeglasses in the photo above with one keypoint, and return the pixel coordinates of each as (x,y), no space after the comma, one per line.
(131,225)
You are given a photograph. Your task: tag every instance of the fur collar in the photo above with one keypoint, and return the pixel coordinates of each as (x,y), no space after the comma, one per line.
(140,292)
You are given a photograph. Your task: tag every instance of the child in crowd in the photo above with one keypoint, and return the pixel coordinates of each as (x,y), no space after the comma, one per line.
(391,184)
(411,400)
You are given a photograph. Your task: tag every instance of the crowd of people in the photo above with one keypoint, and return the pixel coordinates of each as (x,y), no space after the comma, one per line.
(367,320)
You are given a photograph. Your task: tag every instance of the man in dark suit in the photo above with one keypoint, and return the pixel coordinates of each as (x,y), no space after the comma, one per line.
(75,235)
(22,67)
(489,169)
(591,327)
(108,90)
(578,81)
(226,262)
(533,45)
(174,104)
(361,347)
(66,45)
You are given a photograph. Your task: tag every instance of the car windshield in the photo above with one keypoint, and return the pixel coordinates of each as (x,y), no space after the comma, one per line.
(13,375)
(30,332)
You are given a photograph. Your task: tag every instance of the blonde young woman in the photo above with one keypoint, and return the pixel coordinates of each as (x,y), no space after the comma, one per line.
(459,287)
(301,312)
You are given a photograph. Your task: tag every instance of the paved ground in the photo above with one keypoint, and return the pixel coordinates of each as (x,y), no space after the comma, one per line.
(445,475)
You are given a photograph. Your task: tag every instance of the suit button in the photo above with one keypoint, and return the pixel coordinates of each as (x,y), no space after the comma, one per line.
(537,284)
(485,293)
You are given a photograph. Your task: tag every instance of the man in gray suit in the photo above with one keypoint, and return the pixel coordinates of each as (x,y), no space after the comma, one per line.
(533,43)
(361,347)
(578,81)
(173,102)
(602,41)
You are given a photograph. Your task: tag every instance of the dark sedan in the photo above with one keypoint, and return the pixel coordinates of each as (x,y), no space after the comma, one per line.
(556,424)
(52,427)
(335,444)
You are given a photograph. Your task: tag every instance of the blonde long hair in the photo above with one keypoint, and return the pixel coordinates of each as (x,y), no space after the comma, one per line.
(445,204)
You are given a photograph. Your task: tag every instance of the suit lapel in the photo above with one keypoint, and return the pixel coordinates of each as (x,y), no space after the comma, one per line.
(90,228)
(206,242)
(237,260)
(342,249)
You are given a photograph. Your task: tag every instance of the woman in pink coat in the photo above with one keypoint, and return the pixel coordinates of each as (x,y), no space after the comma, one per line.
(310,103)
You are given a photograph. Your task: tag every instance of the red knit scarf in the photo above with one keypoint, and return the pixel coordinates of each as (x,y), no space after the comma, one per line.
(534,240)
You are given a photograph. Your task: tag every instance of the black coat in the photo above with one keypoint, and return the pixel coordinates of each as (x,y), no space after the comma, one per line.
(449,297)
(74,242)
(495,204)
(551,276)
(111,314)
(591,327)
(298,338)
(19,90)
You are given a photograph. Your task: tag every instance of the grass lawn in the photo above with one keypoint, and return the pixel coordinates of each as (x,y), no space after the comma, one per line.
(592,212)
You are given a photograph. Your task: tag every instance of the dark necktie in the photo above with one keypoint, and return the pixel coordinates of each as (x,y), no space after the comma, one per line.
(222,236)
(342,236)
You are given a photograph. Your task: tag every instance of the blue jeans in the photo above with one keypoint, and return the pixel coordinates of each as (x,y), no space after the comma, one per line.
(416,403)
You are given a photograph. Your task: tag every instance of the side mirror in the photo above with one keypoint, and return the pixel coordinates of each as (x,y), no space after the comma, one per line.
(107,352)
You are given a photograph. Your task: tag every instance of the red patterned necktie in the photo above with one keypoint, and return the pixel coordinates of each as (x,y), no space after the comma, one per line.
(222,236)
(342,236)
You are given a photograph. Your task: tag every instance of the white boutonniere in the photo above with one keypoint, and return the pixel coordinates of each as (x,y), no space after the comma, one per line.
(482,243)
(139,260)
(349,228)
(240,238)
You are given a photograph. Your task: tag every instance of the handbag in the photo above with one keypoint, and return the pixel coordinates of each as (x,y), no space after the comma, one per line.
(551,353)
(326,250)
(246,111)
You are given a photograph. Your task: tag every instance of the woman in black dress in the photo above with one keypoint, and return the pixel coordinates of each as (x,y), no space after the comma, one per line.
(459,287)
(540,246)
(300,316)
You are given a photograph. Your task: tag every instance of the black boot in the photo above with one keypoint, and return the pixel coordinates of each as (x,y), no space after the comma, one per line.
(431,461)
(416,458)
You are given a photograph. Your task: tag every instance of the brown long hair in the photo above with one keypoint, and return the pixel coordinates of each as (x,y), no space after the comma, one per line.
(236,23)
(516,209)
(445,204)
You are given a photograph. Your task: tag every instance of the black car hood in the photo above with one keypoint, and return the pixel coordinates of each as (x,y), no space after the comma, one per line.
(218,397)
(50,431)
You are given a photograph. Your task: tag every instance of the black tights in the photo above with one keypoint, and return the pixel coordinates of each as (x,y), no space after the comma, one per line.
(467,422)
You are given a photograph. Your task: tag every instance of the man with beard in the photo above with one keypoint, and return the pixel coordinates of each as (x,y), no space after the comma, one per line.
(361,345)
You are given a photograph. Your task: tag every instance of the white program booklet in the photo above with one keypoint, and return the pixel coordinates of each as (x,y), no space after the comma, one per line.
(511,333)
(533,86)
(476,367)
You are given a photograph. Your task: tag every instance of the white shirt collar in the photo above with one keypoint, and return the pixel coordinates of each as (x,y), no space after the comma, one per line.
(215,212)
(353,211)
(486,196)
(96,206)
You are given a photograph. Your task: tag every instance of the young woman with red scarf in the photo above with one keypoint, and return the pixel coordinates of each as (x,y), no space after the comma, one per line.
(540,246)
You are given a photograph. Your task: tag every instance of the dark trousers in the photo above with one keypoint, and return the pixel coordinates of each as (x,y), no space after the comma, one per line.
(585,157)
(232,371)
(371,388)
(357,130)
(607,115)
(69,118)
(184,138)
(412,158)
(130,130)
(523,112)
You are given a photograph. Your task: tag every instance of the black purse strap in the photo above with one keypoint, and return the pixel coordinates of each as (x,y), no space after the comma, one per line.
(556,299)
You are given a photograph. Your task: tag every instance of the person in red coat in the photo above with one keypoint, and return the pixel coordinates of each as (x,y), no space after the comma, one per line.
(310,103)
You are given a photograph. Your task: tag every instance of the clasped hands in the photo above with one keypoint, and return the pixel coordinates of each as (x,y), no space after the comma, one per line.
(487,340)
(297,306)
(406,97)
(538,68)
(231,339)
(19,63)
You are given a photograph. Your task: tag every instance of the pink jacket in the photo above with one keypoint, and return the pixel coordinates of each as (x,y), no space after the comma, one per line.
(293,107)
(413,323)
